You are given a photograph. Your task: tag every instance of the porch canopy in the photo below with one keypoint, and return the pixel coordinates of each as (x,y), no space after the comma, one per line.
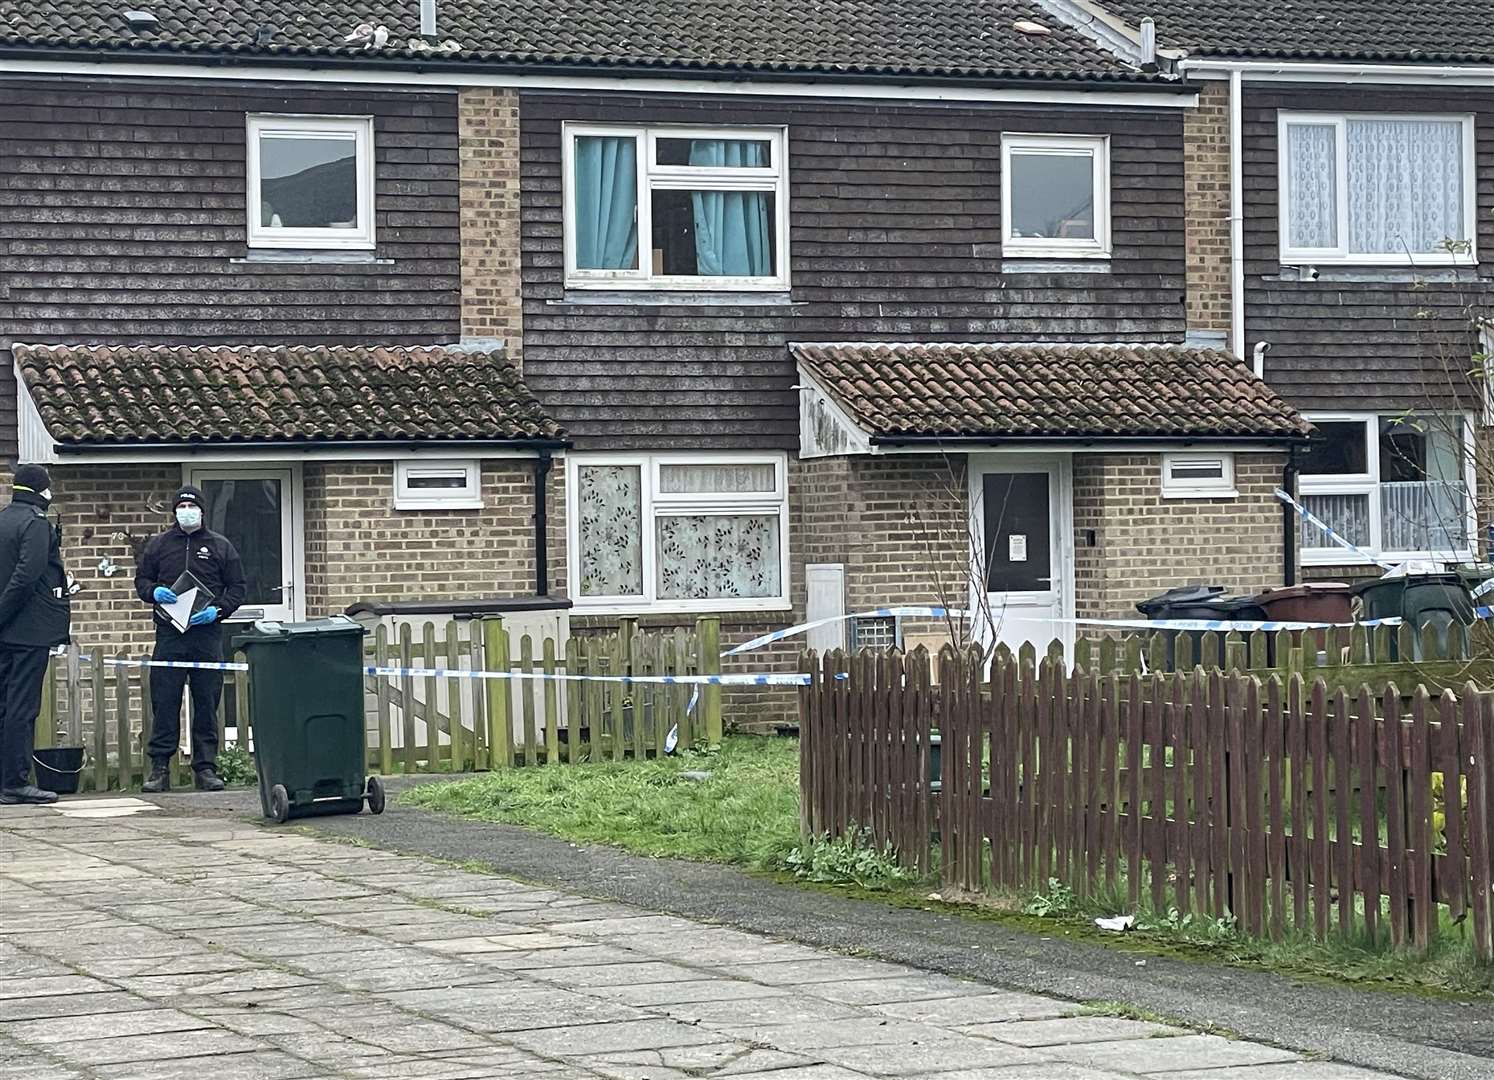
(86,400)
(869,397)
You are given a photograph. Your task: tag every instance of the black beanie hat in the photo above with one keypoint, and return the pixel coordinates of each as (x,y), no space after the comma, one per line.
(189,494)
(34,478)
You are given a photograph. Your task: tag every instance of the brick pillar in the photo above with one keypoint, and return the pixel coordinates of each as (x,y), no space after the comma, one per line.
(488,120)
(1206,208)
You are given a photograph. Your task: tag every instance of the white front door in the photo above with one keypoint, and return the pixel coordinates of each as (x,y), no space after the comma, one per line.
(256,509)
(1021,513)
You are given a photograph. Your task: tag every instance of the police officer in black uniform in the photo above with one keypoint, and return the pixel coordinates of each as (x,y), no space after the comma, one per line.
(212,560)
(34,616)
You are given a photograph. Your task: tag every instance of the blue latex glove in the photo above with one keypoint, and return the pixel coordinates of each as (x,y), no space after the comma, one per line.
(163,595)
(203,617)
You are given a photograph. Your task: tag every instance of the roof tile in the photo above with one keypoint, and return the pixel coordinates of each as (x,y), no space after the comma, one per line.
(963,390)
(898,37)
(126,394)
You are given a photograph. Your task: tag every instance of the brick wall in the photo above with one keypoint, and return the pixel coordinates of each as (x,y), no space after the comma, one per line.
(1146,544)
(358,546)
(1206,208)
(101,507)
(489,167)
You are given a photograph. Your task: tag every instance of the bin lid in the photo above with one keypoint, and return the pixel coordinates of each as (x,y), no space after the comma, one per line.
(469,608)
(268,630)
(1310,588)
(1175,597)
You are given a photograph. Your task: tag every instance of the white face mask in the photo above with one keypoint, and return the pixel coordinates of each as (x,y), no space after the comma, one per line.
(189,517)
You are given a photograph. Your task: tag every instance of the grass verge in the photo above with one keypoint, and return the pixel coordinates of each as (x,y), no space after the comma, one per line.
(740,806)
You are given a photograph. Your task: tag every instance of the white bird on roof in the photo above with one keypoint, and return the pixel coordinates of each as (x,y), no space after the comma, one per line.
(361,33)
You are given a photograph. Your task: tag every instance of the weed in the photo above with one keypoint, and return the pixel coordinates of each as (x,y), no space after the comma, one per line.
(847,860)
(236,766)
(1058,900)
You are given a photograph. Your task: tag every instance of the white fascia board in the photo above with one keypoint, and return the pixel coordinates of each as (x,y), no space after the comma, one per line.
(437,80)
(241,455)
(1059,445)
(1346,73)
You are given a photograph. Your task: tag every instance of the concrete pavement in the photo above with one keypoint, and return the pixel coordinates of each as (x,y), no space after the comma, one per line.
(142,944)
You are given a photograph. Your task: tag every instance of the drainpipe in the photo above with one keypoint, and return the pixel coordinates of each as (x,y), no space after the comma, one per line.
(541,525)
(1236,217)
(1289,520)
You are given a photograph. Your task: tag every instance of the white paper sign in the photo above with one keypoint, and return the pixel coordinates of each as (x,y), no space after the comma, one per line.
(180,613)
(1016,547)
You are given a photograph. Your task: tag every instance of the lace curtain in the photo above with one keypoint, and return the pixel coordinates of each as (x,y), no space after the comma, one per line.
(706,555)
(1405,185)
(1349,516)
(1312,203)
(611,530)
(721,479)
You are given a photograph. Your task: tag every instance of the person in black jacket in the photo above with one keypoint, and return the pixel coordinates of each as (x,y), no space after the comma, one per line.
(34,616)
(188,546)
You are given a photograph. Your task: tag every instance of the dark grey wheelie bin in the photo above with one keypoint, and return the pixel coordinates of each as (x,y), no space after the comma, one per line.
(1198,602)
(306,713)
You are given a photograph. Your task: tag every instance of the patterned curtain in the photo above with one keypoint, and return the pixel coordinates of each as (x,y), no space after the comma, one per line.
(708,555)
(611,530)
(1312,202)
(1405,185)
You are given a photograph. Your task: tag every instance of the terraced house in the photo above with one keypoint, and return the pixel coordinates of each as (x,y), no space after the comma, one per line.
(752,310)
(1341,155)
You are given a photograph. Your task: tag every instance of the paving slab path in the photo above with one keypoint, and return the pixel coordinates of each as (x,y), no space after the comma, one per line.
(145,944)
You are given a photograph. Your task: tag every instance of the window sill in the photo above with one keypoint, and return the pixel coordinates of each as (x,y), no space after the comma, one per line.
(351,258)
(428,507)
(1031,264)
(1327,557)
(1200,494)
(647,298)
(1387,275)
(738,607)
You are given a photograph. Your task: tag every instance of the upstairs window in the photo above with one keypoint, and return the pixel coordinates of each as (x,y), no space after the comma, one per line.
(310,182)
(675,208)
(1376,190)
(1055,196)
(1396,486)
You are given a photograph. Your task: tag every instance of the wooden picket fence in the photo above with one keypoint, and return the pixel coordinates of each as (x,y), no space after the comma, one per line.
(452,724)
(1292,806)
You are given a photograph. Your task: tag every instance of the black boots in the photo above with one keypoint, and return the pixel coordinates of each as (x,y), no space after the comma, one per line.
(207,780)
(30,793)
(160,780)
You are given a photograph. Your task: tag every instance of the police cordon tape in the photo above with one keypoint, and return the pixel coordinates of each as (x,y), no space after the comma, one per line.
(1328,530)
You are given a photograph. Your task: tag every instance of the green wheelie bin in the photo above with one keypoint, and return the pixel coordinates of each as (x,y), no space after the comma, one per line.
(306,714)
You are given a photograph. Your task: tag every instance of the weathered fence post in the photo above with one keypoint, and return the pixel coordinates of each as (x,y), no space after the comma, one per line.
(708,628)
(500,724)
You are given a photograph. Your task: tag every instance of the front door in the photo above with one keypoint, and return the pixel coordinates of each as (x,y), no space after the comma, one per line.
(1020,513)
(255,509)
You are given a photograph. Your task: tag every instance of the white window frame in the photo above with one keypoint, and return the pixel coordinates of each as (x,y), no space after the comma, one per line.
(1221,488)
(260,235)
(1368,484)
(1341,253)
(679,178)
(1095,146)
(654,505)
(466,497)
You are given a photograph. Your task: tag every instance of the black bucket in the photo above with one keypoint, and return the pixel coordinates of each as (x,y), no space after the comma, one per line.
(58,769)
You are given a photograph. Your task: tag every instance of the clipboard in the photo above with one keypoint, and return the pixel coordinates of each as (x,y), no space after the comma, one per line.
(191,597)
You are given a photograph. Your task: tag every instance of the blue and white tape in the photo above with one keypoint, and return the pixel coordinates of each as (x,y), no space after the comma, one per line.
(1328,530)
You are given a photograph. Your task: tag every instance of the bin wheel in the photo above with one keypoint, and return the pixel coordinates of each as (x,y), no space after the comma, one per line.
(375,795)
(280,804)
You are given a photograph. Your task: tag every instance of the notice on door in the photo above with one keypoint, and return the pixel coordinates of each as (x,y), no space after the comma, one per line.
(1016,547)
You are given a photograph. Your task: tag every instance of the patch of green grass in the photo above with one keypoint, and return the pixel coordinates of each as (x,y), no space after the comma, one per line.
(744,812)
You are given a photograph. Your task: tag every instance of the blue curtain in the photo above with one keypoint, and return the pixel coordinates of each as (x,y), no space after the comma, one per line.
(606,203)
(733,229)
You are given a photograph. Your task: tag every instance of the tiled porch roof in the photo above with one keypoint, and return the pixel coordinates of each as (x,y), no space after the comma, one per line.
(1030,391)
(115,395)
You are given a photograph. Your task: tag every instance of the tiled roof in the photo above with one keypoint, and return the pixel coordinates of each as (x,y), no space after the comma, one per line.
(130,394)
(912,37)
(1445,31)
(963,390)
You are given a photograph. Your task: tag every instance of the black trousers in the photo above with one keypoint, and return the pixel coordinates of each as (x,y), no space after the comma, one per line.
(202,644)
(22,670)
